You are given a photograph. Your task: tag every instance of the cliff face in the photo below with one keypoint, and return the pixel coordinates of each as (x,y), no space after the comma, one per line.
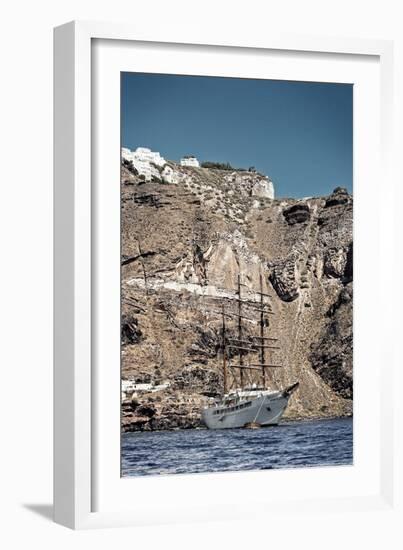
(183,246)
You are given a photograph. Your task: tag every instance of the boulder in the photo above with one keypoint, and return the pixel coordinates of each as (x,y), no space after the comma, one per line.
(339,196)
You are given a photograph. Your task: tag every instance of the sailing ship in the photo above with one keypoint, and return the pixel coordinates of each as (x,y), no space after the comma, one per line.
(247,401)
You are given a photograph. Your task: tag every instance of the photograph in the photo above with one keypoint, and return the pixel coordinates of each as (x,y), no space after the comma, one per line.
(236,274)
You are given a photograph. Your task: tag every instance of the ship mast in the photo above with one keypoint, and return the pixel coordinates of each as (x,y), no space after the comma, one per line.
(240,330)
(224,358)
(258,344)
(262,348)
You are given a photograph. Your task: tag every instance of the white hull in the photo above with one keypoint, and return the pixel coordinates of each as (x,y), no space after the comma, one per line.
(264,408)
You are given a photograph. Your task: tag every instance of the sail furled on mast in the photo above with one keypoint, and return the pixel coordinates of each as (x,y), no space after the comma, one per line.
(240,329)
(246,343)
(224,358)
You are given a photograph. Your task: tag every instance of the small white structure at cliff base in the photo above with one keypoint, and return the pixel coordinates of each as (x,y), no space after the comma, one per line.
(131,388)
(190,160)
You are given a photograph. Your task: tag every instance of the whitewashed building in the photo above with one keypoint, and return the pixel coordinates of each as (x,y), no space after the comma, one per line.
(144,161)
(130,388)
(144,154)
(190,160)
(169,175)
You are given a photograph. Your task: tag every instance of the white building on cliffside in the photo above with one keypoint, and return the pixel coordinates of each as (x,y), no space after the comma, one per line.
(145,161)
(169,175)
(190,160)
(144,154)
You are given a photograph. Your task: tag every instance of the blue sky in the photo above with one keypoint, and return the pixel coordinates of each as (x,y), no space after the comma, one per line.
(298,133)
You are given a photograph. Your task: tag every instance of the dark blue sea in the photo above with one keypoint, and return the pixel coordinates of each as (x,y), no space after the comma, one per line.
(289,445)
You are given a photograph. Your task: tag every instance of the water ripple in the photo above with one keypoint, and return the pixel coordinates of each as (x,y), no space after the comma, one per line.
(290,445)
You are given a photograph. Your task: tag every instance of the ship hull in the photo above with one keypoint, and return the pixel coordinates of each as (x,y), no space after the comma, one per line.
(265,410)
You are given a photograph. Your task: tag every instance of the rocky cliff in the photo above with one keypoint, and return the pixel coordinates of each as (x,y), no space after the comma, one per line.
(183,246)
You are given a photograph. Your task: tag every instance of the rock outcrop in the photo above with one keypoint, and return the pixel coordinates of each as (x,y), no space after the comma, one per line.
(331,354)
(183,246)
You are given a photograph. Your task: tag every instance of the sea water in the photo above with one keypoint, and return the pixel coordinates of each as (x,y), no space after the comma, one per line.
(289,445)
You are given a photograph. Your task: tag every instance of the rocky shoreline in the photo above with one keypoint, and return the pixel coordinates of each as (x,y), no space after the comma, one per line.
(173,410)
(148,418)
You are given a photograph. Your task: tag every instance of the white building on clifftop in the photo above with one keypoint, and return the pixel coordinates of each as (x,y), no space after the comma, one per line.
(190,160)
(145,161)
(144,154)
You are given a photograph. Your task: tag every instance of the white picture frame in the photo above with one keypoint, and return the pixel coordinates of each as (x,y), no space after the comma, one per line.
(87,492)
